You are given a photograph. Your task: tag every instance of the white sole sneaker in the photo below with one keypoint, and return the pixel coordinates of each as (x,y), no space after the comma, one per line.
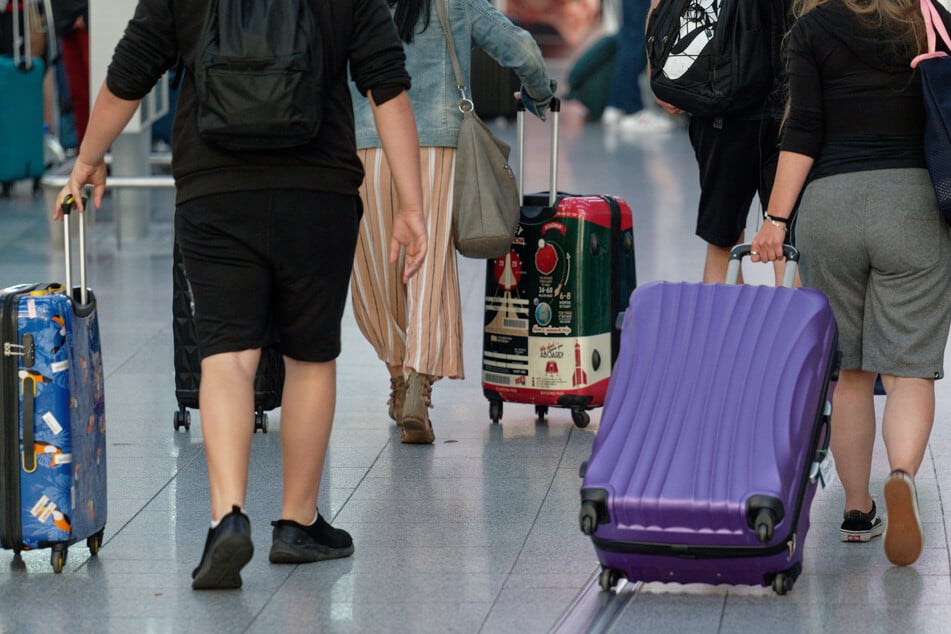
(904,538)
(859,527)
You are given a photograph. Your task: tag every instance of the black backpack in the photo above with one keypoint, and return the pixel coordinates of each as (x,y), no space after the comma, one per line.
(259,74)
(714,57)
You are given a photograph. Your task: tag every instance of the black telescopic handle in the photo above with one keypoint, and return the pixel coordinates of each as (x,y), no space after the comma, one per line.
(740,251)
(69,203)
(555,107)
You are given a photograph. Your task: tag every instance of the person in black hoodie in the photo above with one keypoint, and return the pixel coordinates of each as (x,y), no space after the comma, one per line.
(267,238)
(871,239)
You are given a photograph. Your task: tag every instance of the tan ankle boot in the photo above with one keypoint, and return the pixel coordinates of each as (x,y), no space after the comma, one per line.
(397,397)
(417,428)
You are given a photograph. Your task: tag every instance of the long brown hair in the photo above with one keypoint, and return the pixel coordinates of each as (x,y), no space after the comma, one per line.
(899,19)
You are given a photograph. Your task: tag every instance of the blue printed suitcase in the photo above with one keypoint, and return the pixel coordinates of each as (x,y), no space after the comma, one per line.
(713,435)
(52,424)
(21,114)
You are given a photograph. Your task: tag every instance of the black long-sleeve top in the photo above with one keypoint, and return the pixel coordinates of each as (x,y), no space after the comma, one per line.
(855,101)
(360,33)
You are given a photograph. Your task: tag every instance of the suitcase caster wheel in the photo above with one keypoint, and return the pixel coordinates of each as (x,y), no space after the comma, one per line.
(541,411)
(58,560)
(260,422)
(495,411)
(183,418)
(93,543)
(588,518)
(782,583)
(580,418)
(609,578)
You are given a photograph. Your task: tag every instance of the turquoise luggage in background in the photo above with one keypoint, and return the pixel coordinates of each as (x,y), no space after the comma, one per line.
(21,115)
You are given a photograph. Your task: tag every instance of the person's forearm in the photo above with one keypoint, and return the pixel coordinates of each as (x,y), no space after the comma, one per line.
(109,116)
(396,127)
(791,173)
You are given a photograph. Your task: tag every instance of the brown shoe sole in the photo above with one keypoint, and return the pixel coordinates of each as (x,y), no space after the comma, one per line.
(416,432)
(903,537)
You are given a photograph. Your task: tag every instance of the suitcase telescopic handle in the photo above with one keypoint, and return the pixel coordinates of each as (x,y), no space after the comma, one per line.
(68,204)
(555,108)
(740,251)
(24,62)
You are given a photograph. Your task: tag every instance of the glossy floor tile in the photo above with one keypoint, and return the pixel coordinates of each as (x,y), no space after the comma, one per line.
(476,533)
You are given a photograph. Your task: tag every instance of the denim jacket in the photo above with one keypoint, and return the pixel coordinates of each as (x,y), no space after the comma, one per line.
(434,94)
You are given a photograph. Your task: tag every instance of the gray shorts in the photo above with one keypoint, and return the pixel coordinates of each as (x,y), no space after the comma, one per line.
(876,245)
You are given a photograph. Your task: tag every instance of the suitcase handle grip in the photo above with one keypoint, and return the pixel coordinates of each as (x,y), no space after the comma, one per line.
(740,251)
(555,107)
(68,204)
(28,454)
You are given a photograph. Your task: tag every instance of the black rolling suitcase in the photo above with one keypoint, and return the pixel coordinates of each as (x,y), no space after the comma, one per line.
(268,384)
(493,86)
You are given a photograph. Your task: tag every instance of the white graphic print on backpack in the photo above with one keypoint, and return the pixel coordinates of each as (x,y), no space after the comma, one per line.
(696,32)
(714,57)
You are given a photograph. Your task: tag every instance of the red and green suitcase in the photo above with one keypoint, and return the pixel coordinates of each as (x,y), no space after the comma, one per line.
(553,304)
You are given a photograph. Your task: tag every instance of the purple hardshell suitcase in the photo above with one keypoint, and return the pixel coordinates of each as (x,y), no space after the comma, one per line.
(715,422)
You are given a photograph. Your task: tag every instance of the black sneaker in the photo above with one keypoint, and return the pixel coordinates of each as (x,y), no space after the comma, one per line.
(861,527)
(298,544)
(227,549)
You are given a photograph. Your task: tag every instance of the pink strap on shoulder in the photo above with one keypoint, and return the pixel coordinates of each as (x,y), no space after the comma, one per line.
(933,24)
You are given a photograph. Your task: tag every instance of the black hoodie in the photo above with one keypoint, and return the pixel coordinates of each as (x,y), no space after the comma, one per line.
(855,102)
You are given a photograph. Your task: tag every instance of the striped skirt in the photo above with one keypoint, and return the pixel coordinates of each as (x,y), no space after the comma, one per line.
(417,325)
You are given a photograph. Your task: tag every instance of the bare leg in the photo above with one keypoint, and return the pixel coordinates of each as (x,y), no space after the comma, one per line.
(307,413)
(853,436)
(718,259)
(907,421)
(226,396)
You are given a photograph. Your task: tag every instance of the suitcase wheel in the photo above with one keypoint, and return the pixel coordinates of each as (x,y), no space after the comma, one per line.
(495,411)
(580,417)
(609,578)
(260,422)
(541,411)
(58,558)
(783,583)
(94,542)
(182,418)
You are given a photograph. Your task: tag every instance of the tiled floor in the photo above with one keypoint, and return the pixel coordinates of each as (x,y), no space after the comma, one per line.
(477,533)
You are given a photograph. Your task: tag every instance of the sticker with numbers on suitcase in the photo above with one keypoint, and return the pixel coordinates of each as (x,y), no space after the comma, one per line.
(52,423)
(31,308)
(59,366)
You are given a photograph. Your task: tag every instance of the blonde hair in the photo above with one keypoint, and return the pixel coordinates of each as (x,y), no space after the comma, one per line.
(900,19)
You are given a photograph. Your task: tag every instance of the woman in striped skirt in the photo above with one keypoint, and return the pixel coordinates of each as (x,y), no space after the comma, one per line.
(416,328)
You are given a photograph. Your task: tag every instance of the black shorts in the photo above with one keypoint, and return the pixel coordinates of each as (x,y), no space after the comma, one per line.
(269,267)
(737,160)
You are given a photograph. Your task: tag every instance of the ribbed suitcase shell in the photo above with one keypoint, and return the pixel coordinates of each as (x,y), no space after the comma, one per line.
(63,499)
(719,395)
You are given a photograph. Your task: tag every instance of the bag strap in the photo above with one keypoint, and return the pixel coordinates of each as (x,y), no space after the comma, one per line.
(934,27)
(465,104)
